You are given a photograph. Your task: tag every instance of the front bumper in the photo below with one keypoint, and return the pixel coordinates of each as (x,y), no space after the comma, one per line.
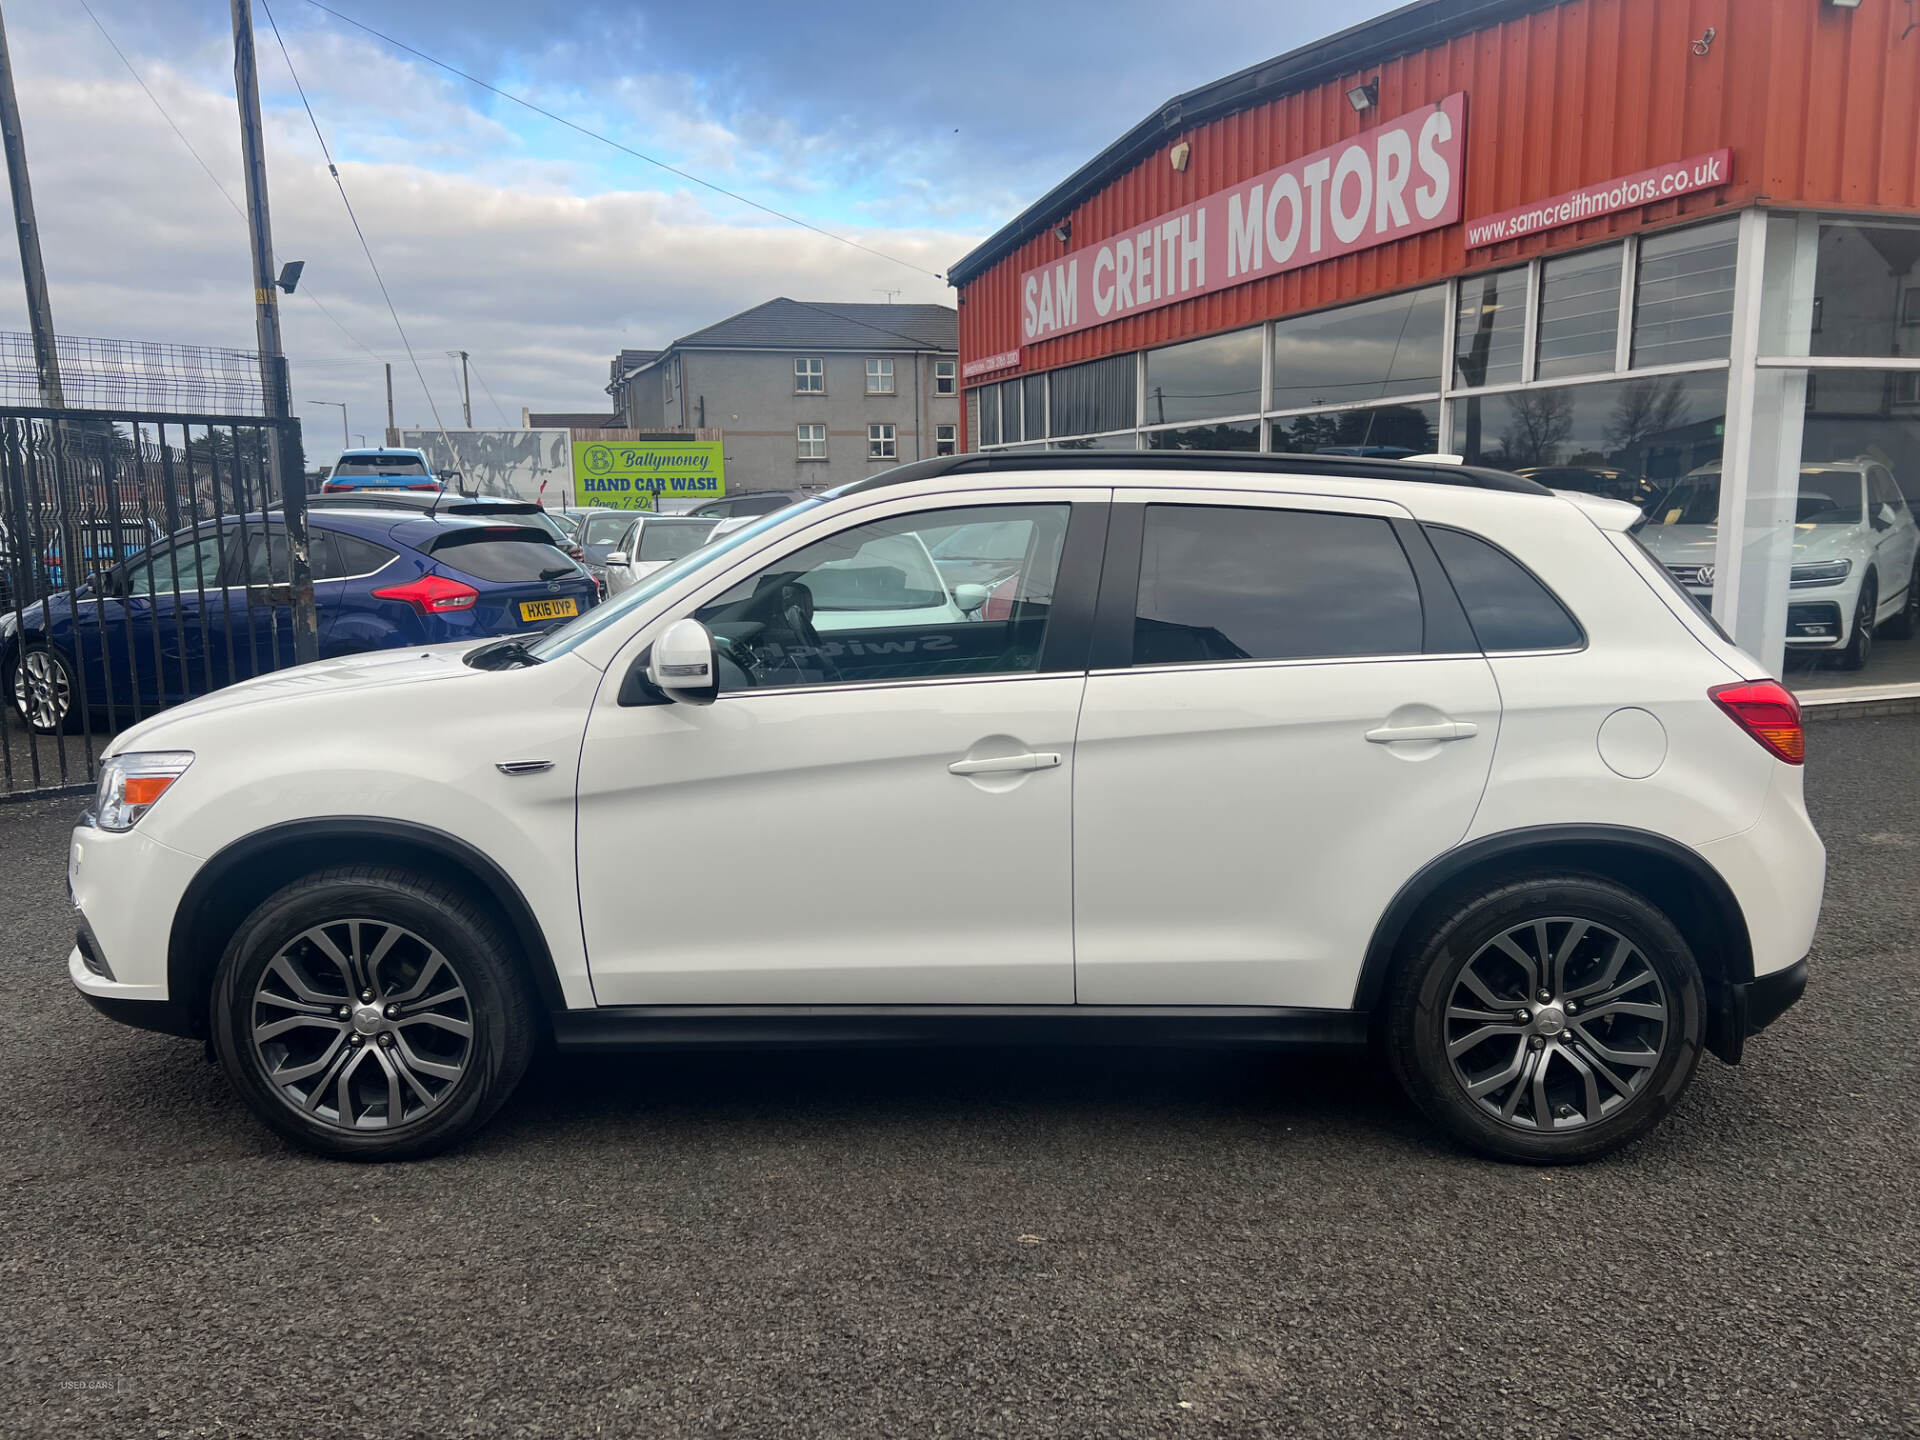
(145,1007)
(1745,1010)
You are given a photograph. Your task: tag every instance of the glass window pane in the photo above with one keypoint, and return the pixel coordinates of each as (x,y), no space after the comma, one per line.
(1224,582)
(1219,375)
(1122,441)
(1230,435)
(261,553)
(1683,296)
(987,401)
(1384,432)
(1389,346)
(1490,329)
(1012,429)
(1508,607)
(1867,290)
(1579,313)
(1091,398)
(192,564)
(353,556)
(942,592)
(1034,389)
(491,555)
(669,538)
(1631,439)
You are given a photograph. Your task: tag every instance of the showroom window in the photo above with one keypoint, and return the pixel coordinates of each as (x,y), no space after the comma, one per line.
(1225,435)
(1382,431)
(1490,329)
(1033,393)
(986,405)
(1202,379)
(1579,313)
(1683,295)
(1094,398)
(1223,583)
(1124,441)
(1369,351)
(1625,439)
(872,603)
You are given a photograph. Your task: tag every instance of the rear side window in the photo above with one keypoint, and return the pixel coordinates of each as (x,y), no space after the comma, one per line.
(670,542)
(508,556)
(1509,609)
(348,556)
(1229,583)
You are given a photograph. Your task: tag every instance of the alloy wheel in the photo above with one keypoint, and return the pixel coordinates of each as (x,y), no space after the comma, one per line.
(361,1024)
(41,690)
(1863,622)
(1555,1024)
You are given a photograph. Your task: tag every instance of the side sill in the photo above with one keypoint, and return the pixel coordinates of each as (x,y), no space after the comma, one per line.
(642,1027)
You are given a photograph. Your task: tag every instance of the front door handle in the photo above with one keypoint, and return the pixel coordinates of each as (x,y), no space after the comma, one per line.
(1006,764)
(1433,730)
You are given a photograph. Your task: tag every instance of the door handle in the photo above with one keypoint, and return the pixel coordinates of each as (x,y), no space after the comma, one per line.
(1434,730)
(1006,764)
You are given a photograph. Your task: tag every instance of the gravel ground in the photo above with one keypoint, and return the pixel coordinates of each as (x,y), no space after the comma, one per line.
(925,1244)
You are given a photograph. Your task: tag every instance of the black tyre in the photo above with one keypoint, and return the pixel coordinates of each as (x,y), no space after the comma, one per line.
(372,1014)
(1906,624)
(43,691)
(1551,1020)
(1860,644)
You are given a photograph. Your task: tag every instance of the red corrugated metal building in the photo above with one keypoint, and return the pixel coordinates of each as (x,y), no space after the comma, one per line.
(1390,159)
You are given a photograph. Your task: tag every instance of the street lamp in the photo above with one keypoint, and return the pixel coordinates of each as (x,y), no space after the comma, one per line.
(341,406)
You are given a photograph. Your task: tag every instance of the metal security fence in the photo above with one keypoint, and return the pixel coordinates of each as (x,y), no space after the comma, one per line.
(144,559)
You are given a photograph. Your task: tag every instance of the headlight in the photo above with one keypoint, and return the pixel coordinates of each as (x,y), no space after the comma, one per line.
(1823,572)
(131,783)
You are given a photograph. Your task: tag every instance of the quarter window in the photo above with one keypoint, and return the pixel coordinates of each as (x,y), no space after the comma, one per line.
(880,377)
(880,442)
(812,440)
(962,591)
(1509,609)
(946,377)
(810,375)
(1221,583)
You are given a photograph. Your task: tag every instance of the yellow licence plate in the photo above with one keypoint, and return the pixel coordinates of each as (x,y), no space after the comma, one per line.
(548,609)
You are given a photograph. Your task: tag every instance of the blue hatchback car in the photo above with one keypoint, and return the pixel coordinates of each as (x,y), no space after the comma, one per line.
(213,604)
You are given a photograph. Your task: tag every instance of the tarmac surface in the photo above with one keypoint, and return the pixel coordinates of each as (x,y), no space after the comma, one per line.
(984,1244)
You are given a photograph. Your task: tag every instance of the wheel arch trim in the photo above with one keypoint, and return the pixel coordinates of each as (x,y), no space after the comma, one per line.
(1735,941)
(187,967)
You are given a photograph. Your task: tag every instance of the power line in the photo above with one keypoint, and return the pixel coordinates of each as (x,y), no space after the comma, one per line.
(367,249)
(486,390)
(607,140)
(181,135)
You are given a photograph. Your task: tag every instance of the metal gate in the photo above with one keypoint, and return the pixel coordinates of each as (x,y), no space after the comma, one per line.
(144,560)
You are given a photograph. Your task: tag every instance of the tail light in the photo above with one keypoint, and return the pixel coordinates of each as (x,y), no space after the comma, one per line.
(1767,712)
(329,488)
(423,487)
(432,594)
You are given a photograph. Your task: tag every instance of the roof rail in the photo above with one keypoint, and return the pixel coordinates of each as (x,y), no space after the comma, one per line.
(1476,477)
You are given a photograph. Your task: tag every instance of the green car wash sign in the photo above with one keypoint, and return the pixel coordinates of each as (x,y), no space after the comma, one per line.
(632,475)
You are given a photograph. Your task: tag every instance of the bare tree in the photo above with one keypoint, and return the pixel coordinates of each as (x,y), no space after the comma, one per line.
(1646,410)
(1539,422)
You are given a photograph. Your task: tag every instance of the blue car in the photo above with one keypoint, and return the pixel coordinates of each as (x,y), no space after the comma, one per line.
(213,604)
(382,469)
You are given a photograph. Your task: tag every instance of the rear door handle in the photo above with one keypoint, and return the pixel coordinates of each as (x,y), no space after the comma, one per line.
(1006,764)
(1435,730)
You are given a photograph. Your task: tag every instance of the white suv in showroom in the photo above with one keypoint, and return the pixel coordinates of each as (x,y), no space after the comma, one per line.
(1249,750)
(1856,553)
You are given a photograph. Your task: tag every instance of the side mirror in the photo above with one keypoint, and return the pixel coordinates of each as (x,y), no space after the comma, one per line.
(1884,519)
(106,582)
(683,666)
(970,597)
(617,557)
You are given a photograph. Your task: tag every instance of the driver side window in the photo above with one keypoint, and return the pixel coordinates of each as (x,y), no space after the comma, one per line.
(963,591)
(192,564)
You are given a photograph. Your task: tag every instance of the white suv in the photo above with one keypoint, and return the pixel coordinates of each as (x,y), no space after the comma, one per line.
(1248,750)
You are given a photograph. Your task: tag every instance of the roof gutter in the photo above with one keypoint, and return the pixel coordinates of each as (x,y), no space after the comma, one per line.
(1411,28)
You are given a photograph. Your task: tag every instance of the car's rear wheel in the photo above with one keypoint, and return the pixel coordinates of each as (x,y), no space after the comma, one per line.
(1860,644)
(372,1014)
(1553,1019)
(1907,623)
(41,685)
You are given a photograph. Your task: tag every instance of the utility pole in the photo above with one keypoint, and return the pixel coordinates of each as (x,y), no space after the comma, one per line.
(266,315)
(389,436)
(46,360)
(466,391)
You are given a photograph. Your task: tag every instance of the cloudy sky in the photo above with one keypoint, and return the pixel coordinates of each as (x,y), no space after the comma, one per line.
(913,129)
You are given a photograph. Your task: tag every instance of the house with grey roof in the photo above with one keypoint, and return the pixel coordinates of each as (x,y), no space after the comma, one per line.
(807,393)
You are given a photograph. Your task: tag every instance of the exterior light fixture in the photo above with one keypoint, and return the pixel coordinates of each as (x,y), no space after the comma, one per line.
(1179,155)
(290,275)
(1844,4)
(1364,97)
(1063,232)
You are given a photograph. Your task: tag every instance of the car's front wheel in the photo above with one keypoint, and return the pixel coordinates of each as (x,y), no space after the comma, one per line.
(41,685)
(1906,624)
(1860,644)
(1552,1019)
(370,1013)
